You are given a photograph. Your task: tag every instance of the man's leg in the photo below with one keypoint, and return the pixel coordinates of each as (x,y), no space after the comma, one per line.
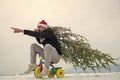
(51,55)
(34,50)
(33,53)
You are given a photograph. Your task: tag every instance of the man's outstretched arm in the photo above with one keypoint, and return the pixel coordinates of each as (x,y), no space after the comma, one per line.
(27,32)
(36,34)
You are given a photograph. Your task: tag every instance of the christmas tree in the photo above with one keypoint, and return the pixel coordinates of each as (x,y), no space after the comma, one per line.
(77,51)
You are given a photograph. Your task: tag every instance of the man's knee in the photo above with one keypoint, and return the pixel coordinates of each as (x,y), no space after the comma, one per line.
(33,45)
(48,46)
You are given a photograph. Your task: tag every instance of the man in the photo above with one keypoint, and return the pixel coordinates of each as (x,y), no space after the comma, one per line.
(51,52)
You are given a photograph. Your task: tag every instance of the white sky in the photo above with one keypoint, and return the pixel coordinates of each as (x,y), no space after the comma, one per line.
(97,20)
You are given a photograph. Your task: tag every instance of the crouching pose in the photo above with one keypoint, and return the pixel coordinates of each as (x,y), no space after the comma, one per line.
(51,51)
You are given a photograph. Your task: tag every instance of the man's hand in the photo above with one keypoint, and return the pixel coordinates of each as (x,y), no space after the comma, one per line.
(36,30)
(17,30)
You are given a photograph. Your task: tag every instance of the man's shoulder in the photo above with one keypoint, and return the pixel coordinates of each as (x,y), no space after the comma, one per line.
(48,30)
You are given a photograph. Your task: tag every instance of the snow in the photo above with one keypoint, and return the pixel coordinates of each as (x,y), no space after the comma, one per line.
(79,76)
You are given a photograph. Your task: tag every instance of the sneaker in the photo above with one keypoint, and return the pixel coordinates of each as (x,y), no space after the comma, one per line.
(31,68)
(44,72)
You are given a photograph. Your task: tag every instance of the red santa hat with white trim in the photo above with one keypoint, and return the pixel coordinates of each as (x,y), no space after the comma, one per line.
(43,24)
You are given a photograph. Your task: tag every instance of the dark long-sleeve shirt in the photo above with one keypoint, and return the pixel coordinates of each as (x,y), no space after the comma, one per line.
(48,35)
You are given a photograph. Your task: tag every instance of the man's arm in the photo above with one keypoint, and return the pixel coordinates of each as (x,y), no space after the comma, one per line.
(27,32)
(44,34)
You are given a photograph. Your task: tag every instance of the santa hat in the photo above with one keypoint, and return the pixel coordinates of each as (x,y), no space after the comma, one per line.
(43,24)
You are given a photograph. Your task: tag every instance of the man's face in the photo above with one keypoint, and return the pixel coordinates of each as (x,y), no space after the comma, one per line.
(39,28)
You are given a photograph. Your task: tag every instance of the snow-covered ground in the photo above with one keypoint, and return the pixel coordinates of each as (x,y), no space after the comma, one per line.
(80,76)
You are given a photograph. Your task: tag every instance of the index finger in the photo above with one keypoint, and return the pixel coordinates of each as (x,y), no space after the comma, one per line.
(12,28)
